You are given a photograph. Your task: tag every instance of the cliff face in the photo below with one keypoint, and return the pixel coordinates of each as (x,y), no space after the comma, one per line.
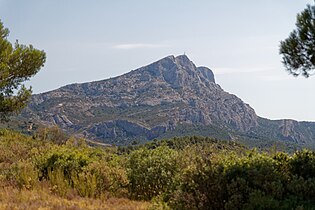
(301,134)
(143,103)
(165,98)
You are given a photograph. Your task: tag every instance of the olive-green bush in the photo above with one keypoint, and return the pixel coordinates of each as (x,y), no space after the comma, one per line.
(200,174)
(253,181)
(151,172)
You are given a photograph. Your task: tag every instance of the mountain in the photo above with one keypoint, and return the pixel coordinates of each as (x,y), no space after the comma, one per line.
(170,97)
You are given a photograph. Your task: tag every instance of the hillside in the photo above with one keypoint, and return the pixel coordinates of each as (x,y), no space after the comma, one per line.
(170,97)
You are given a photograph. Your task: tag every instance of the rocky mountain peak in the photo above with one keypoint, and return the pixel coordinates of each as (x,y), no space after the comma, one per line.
(148,102)
(184,61)
(178,71)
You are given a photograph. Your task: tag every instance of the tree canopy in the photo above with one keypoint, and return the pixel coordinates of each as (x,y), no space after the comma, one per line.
(298,50)
(18,63)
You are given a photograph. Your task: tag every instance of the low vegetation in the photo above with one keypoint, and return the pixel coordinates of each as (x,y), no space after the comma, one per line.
(182,173)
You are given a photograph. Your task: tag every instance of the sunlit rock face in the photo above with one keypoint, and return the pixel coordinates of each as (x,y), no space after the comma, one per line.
(157,100)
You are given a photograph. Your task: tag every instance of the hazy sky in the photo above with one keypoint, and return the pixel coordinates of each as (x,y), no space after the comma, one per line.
(239,40)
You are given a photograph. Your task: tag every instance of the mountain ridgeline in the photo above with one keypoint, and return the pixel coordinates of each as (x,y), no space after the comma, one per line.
(170,97)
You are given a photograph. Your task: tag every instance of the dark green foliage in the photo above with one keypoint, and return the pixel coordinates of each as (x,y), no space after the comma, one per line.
(67,159)
(200,173)
(298,50)
(253,181)
(180,143)
(197,130)
(151,172)
(199,185)
(303,164)
(17,64)
(251,177)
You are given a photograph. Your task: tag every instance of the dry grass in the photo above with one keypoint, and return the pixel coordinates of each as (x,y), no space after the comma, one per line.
(20,187)
(12,198)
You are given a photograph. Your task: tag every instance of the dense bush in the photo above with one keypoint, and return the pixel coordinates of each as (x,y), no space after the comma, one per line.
(99,178)
(90,171)
(202,173)
(151,172)
(253,181)
(303,164)
(69,160)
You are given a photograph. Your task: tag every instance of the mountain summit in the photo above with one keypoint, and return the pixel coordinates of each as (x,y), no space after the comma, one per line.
(166,98)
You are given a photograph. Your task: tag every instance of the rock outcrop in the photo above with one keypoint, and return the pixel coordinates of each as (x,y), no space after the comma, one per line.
(147,103)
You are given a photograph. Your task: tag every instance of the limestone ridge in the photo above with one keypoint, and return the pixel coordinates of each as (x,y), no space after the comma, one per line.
(144,103)
(166,98)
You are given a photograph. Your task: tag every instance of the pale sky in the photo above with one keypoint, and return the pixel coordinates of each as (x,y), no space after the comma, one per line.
(239,40)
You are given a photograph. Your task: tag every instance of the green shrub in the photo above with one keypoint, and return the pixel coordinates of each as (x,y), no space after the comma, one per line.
(200,184)
(201,173)
(251,173)
(68,159)
(99,178)
(254,181)
(15,146)
(259,200)
(151,172)
(91,172)
(303,164)
(302,190)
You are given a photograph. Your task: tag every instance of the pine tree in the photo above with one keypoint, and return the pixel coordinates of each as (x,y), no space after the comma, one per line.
(298,50)
(18,63)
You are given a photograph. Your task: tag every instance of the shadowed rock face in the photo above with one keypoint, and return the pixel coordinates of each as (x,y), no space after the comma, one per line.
(145,103)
